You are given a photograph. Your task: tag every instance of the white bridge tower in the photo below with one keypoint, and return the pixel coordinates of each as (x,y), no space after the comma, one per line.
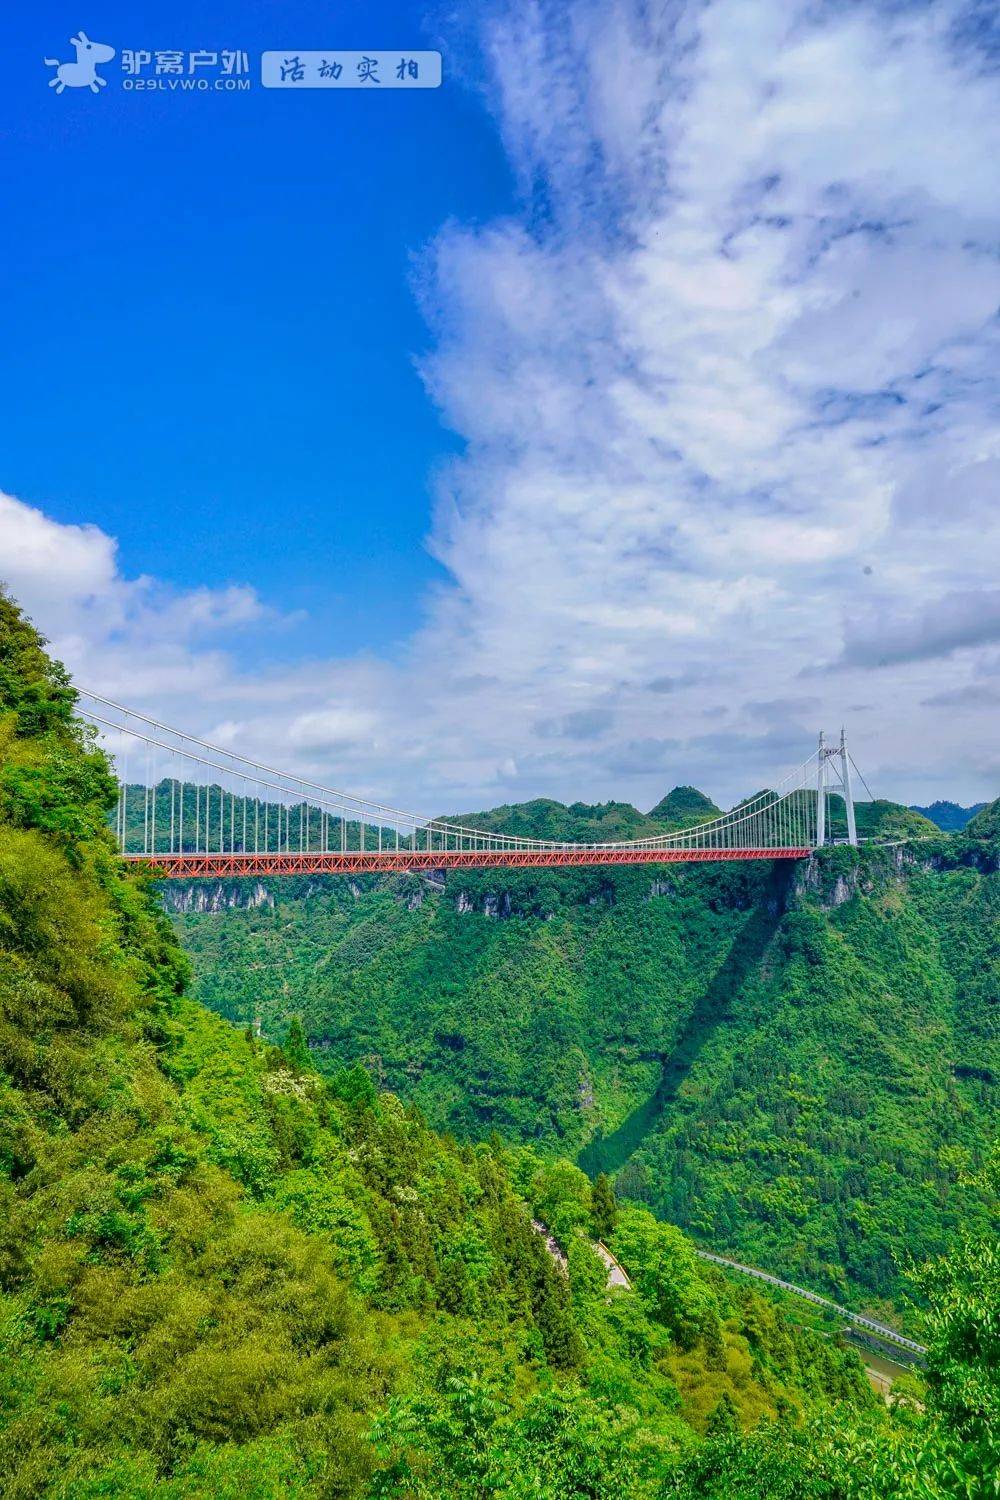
(825,755)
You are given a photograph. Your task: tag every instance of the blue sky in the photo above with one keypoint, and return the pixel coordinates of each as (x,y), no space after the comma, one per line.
(208,308)
(618,415)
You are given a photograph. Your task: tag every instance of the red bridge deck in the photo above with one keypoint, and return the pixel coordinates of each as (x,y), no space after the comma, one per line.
(373,861)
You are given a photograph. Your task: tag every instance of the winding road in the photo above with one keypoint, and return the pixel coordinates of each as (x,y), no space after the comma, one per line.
(881,1330)
(617,1276)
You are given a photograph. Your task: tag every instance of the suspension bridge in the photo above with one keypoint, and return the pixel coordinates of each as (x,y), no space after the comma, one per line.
(188,808)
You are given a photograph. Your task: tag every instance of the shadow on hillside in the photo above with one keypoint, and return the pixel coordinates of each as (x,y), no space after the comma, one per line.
(610,1153)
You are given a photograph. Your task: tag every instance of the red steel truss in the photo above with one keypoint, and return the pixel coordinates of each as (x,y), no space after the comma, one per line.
(364,861)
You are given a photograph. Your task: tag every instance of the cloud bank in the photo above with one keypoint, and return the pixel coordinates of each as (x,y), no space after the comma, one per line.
(729,387)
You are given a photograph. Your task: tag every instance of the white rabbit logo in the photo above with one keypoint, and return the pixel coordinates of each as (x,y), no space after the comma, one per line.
(81,74)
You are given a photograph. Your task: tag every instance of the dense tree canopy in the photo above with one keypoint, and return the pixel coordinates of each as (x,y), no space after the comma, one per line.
(799,1069)
(225,1274)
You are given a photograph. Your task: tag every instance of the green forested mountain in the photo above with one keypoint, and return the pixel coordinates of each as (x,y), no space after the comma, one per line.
(950,817)
(683,806)
(222,1274)
(796,1066)
(172,815)
(601,823)
(838,1090)
(986,823)
(881,819)
(581,822)
(184,816)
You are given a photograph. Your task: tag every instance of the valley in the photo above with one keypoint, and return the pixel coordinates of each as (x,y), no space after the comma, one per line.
(798,1066)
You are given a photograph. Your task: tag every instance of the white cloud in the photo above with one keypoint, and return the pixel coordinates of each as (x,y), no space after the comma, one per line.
(327,728)
(729,388)
(709,453)
(53,567)
(125,635)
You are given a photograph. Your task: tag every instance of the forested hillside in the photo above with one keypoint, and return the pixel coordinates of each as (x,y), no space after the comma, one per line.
(852,1076)
(950,817)
(986,823)
(224,1275)
(797,1067)
(583,823)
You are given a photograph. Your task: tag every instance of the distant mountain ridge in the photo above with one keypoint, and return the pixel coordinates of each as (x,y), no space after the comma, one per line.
(580,822)
(683,807)
(950,817)
(600,822)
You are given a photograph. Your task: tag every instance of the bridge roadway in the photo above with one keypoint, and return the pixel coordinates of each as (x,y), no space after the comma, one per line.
(386,861)
(881,1330)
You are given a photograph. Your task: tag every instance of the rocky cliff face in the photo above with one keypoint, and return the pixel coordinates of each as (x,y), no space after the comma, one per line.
(833,878)
(836,875)
(215,896)
(493,904)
